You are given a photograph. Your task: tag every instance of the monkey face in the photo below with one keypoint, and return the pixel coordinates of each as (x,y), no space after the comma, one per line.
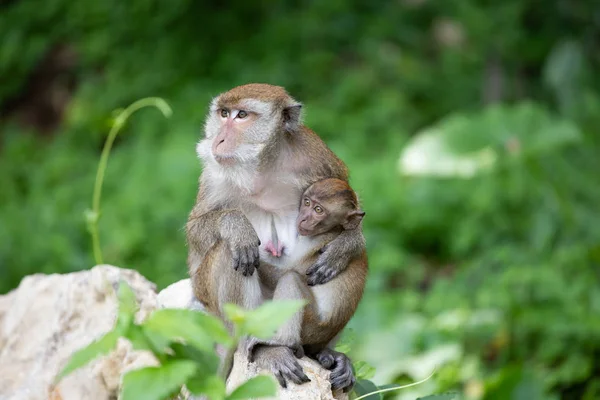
(246,122)
(314,219)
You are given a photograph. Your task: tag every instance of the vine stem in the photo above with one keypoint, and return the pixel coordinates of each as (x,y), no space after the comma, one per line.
(94,215)
(397,387)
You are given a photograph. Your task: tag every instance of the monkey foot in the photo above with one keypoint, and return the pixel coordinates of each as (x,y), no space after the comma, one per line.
(274,250)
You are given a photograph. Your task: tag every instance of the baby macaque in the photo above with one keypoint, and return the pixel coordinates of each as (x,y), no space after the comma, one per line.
(328,205)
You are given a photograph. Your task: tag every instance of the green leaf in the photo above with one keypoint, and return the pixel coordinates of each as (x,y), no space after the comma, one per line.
(142,339)
(364,386)
(207,363)
(176,324)
(445,396)
(363,370)
(264,321)
(234,313)
(259,386)
(157,383)
(102,346)
(212,386)
(127,306)
(214,327)
(344,345)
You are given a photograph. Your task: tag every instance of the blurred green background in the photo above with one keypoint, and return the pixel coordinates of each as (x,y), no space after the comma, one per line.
(470,129)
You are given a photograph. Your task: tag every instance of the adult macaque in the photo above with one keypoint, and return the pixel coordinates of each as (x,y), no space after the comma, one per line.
(258,160)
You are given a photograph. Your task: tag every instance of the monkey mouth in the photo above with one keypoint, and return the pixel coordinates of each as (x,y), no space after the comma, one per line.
(302,231)
(224,159)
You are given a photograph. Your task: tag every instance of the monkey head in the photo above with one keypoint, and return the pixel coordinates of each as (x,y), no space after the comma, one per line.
(246,123)
(326,205)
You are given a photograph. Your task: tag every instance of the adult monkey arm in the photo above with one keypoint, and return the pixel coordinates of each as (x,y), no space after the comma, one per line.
(205,227)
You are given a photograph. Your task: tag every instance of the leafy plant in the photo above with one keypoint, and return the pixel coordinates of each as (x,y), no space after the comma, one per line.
(183,341)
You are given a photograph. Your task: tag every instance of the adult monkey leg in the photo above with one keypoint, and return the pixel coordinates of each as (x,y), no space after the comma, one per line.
(314,328)
(333,312)
(279,353)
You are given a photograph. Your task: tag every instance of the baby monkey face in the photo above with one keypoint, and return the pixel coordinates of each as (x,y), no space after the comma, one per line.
(327,205)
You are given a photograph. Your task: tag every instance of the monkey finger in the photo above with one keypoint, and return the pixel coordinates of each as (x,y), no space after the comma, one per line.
(243,261)
(350,386)
(279,375)
(296,373)
(250,261)
(312,270)
(256,257)
(326,360)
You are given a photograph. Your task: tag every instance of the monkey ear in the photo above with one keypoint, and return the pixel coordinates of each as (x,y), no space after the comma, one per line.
(353,219)
(292,117)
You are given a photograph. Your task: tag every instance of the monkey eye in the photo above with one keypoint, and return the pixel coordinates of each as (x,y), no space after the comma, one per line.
(319,209)
(307,202)
(242,114)
(224,113)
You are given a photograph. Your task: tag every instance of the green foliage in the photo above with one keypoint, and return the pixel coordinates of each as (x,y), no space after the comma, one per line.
(486,274)
(264,321)
(259,386)
(157,383)
(183,341)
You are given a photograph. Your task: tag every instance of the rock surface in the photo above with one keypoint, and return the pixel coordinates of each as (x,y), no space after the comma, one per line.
(48,317)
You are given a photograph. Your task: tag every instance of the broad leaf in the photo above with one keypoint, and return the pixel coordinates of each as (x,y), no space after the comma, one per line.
(212,386)
(207,363)
(257,387)
(142,339)
(102,346)
(264,321)
(214,327)
(364,386)
(363,370)
(157,383)
(176,324)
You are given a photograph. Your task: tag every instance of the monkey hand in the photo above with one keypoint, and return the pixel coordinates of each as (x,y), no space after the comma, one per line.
(282,363)
(329,265)
(242,240)
(339,364)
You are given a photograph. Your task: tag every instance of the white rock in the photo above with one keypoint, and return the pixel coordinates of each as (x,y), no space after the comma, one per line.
(48,317)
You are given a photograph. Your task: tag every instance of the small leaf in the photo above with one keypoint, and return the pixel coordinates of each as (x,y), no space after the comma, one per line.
(102,346)
(344,345)
(364,386)
(176,324)
(363,370)
(259,386)
(264,321)
(212,386)
(127,306)
(157,383)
